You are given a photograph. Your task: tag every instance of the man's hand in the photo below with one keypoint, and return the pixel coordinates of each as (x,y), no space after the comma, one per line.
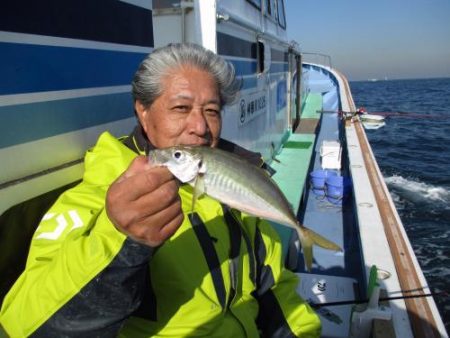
(144,204)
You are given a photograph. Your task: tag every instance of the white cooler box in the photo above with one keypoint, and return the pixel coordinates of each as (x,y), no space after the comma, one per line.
(330,155)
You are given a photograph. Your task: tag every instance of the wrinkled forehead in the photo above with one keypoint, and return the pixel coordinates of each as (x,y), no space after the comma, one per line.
(185,76)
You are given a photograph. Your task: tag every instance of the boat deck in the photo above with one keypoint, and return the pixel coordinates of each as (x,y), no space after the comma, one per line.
(299,156)
(335,222)
(334,274)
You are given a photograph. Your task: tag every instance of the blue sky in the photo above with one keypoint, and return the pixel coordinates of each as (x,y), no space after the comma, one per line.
(368,39)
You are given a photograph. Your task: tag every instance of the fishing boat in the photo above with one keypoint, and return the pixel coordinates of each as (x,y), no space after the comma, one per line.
(64,82)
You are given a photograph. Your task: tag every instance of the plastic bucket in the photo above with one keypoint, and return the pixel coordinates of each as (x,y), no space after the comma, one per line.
(338,188)
(318,178)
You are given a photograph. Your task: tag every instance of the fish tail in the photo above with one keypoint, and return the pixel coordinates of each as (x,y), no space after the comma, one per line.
(308,238)
(307,248)
(319,240)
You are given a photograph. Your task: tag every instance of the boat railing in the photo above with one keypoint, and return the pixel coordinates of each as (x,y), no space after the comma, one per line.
(317,58)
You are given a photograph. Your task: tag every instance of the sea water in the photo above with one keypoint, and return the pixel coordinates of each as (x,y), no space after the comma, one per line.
(413,153)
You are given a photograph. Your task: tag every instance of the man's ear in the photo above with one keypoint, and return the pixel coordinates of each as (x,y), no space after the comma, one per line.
(141,112)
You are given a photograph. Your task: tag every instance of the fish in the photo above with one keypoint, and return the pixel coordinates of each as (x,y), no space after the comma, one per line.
(234,181)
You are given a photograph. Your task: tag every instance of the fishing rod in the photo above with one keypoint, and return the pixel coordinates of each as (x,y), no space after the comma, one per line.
(408,115)
(387,114)
(381,299)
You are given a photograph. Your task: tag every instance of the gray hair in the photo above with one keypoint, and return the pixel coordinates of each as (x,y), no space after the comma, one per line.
(146,84)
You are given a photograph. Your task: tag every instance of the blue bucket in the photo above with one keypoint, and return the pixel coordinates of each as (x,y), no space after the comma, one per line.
(318,178)
(338,188)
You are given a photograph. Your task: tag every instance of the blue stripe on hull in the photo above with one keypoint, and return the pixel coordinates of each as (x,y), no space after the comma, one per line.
(244,67)
(30,122)
(279,67)
(35,68)
(94,20)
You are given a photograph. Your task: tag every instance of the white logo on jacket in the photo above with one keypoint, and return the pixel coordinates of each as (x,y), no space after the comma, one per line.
(61,224)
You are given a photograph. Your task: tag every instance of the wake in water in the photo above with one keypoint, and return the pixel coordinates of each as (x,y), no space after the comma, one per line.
(418,192)
(425,212)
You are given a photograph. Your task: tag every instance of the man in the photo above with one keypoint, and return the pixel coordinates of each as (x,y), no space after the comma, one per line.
(139,263)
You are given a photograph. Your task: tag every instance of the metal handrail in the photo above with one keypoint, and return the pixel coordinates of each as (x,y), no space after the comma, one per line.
(326,57)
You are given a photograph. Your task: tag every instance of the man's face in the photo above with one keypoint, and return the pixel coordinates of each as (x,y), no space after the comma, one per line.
(186,113)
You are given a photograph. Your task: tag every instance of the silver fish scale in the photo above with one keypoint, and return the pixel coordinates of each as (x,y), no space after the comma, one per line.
(244,186)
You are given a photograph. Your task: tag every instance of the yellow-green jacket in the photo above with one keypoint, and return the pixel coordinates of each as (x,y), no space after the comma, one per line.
(220,275)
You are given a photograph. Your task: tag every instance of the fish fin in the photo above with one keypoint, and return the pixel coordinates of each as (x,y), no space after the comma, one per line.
(320,240)
(199,189)
(307,246)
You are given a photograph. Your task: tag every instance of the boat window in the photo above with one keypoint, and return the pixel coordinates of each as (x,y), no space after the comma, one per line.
(270,9)
(281,14)
(256,3)
(260,55)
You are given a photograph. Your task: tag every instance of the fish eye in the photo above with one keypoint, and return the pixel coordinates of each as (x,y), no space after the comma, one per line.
(177,154)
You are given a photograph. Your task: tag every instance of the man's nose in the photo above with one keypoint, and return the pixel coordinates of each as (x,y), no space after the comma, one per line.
(197,123)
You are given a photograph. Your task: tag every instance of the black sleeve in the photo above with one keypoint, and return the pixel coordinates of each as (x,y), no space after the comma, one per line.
(102,305)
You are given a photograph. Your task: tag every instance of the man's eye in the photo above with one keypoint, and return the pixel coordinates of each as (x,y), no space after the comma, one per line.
(212,112)
(181,109)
